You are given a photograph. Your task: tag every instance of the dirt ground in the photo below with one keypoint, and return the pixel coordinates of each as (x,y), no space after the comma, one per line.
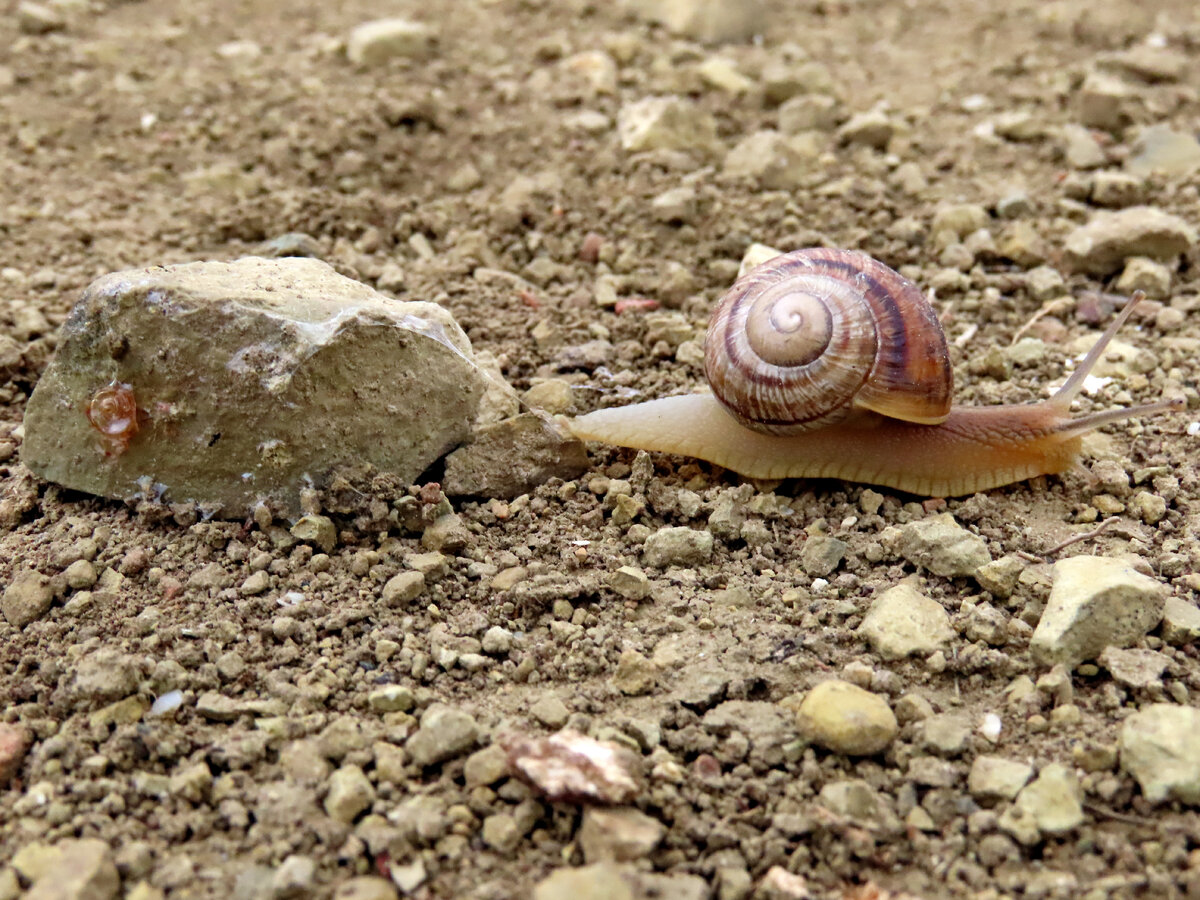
(137,134)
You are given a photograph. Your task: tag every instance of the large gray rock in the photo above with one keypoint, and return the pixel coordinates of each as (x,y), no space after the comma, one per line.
(252,380)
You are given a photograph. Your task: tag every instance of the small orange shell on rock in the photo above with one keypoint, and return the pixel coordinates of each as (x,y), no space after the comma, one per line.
(113,412)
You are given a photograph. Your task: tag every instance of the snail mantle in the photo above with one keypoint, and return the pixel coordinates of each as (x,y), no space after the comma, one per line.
(227,384)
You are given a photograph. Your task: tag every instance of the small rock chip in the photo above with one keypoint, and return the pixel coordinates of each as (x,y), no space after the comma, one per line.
(821,554)
(677,546)
(403,588)
(601,881)
(1162,149)
(294,879)
(873,129)
(318,530)
(486,766)
(550,711)
(14,744)
(512,457)
(445,732)
(82,869)
(707,21)
(501,832)
(904,622)
(1095,603)
(666,123)
(946,733)
(773,161)
(618,835)
(349,794)
(630,582)
(1160,747)
(27,598)
(997,778)
(372,43)
(572,767)
(941,545)
(1053,801)
(1135,668)
(635,674)
(256,584)
(391,698)
(846,719)
(1102,245)
(1181,622)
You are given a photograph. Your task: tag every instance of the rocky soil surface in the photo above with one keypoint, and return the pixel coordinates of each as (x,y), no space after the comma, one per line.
(653,680)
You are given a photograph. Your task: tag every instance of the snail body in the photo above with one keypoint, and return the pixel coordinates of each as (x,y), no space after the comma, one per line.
(812,317)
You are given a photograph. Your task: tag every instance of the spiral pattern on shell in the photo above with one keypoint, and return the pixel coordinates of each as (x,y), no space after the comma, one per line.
(803,339)
(113,412)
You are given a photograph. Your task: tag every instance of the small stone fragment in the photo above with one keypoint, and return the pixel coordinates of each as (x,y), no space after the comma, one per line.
(707,21)
(35,18)
(294,879)
(635,674)
(550,711)
(1102,246)
(666,123)
(1181,622)
(677,546)
(82,869)
(630,582)
(391,698)
(318,530)
(1162,149)
(873,129)
(846,719)
(904,622)
(349,794)
(512,457)
(362,377)
(403,588)
(997,778)
(1160,747)
(772,161)
(939,544)
(601,881)
(1054,800)
(1104,101)
(27,598)
(821,554)
(255,584)
(1095,602)
(1137,669)
(445,732)
(365,887)
(946,733)
(372,43)
(618,835)
(572,767)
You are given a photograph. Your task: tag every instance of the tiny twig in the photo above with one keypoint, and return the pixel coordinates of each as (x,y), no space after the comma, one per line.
(1128,819)
(1111,520)
(1054,306)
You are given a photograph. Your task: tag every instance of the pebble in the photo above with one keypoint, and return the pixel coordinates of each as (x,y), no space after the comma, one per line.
(1095,602)
(14,744)
(447,534)
(391,698)
(1103,101)
(846,719)
(512,457)
(445,732)
(665,123)
(501,832)
(256,584)
(675,206)
(27,598)
(821,554)
(771,160)
(1181,622)
(856,800)
(707,21)
(904,622)
(80,870)
(34,18)
(809,112)
(294,879)
(1080,148)
(946,733)
(1161,149)
(550,711)
(600,881)
(635,674)
(960,219)
(630,582)
(553,396)
(366,887)
(257,333)
(722,74)
(485,766)
(1137,669)
(1160,747)
(618,835)
(350,793)
(1102,246)
(1116,190)
(1053,802)
(318,530)
(942,546)
(997,778)
(106,674)
(372,43)
(677,546)
(873,129)
(497,641)
(403,588)
(1146,275)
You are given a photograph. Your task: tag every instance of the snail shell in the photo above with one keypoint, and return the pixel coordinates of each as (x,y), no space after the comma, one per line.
(802,340)
(113,412)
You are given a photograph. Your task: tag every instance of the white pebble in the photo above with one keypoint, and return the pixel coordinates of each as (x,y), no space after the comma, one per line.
(168,702)
(991,727)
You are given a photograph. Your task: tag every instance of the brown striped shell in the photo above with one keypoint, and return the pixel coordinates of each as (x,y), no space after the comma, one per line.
(803,339)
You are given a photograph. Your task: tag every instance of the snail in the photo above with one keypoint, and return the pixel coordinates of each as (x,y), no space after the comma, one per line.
(113,412)
(825,363)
